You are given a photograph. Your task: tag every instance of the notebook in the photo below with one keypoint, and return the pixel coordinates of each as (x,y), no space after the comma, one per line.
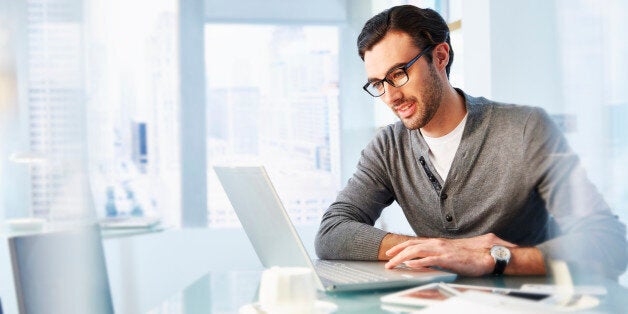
(277,243)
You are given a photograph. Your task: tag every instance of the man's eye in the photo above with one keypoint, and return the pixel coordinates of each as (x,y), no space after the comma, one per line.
(397,74)
(378,85)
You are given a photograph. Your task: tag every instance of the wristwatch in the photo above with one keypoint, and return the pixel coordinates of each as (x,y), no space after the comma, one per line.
(501,255)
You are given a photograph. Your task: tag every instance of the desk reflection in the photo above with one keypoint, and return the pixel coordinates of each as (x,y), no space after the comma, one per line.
(225,292)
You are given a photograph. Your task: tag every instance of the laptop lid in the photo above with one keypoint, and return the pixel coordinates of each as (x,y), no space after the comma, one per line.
(263,217)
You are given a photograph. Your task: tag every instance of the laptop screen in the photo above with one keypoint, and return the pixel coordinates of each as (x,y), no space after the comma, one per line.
(263,216)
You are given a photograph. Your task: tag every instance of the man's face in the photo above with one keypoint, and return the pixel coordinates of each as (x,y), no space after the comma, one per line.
(417,101)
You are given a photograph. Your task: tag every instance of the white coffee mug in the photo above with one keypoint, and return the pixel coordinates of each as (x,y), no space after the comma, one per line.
(287,290)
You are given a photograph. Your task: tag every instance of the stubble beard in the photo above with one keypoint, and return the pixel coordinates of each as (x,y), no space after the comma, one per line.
(431,97)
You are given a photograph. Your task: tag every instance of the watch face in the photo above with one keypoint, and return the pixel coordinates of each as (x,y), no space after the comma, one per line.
(500,252)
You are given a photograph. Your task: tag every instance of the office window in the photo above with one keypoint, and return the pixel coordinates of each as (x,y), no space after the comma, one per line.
(272,100)
(93,119)
(593,54)
(133,107)
(49,75)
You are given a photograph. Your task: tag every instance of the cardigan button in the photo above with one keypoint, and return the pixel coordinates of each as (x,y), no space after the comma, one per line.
(449,218)
(443,196)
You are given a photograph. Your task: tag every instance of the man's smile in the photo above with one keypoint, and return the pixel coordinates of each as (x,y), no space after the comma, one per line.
(406,109)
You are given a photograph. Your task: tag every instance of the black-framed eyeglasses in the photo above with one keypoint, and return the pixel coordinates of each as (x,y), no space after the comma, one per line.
(396,77)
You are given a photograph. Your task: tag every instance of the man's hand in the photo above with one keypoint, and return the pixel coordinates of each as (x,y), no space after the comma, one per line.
(468,257)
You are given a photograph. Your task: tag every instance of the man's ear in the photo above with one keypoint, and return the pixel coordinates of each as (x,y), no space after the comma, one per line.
(441,56)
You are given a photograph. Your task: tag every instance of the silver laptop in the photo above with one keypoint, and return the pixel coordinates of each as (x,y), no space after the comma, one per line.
(277,243)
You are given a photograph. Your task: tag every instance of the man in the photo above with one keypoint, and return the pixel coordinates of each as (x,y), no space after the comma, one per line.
(486,187)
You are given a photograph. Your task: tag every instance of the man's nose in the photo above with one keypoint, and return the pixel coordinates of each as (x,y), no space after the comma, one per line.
(392,94)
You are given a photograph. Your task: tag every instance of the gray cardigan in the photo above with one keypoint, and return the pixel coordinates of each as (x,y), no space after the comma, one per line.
(513,175)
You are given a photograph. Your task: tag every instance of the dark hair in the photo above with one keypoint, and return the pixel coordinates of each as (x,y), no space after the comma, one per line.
(425,26)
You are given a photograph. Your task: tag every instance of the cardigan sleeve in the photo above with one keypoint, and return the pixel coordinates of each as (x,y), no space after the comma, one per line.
(346,230)
(589,235)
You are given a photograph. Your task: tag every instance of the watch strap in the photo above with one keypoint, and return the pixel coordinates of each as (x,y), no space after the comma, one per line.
(500,266)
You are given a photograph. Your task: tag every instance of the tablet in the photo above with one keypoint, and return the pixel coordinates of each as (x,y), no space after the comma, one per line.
(435,293)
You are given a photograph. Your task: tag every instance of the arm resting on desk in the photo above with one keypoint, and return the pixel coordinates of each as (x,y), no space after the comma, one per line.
(469,257)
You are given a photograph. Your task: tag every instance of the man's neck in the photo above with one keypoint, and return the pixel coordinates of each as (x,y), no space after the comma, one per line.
(451,111)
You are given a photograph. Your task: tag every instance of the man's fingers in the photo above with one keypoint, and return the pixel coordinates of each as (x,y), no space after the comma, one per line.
(428,261)
(406,254)
(401,246)
(420,249)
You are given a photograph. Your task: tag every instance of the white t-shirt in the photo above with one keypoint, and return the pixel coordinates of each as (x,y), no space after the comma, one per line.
(443,149)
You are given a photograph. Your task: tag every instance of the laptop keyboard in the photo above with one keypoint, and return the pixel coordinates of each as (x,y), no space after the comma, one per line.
(341,273)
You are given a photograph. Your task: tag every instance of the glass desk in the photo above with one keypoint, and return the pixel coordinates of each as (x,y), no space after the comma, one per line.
(227,291)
